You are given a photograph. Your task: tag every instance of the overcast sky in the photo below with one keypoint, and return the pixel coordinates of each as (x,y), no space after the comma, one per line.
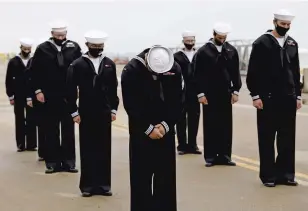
(135,25)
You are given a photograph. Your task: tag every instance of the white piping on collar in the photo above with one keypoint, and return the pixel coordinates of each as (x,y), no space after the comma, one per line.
(18,55)
(183,50)
(212,42)
(52,42)
(143,62)
(101,57)
(140,60)
(285,37)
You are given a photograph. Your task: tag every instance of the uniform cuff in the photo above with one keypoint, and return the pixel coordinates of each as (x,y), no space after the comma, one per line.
(236,93)
(114,112)
(38,91)
(29,99)
(11,98)
(200,95)
(75,114)
(149,130)
(165,125)
(299,97)
(256,97)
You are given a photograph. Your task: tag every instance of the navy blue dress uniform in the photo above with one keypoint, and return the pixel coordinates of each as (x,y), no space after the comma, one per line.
(95,76)
(273,80)
(218,82)
(38,111)
(153,99)
(48,77)
(187,141)
(17,90)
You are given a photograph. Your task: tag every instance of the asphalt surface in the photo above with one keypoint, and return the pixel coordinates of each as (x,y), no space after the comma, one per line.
(25,187)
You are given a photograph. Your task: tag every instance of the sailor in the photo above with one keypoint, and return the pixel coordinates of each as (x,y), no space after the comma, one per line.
(273,80)
(96,77)
(48,74)
(191,111)
(152,89)
(17,90)
(38,114)
(218,82)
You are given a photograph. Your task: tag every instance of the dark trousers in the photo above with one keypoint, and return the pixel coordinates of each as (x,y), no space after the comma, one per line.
(95,152)
(217,128)
(189,120)
(277,119)
(39,119)
(25,131)
(152,162)
(59,152)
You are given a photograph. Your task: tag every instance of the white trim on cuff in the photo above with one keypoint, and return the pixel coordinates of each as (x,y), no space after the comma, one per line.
(38,91)
(200,95)
(114,112)
(255,97)
(29,99)
(75,114)
(11,98)
(299,97)
(165,126)
(236,93)
(149,130)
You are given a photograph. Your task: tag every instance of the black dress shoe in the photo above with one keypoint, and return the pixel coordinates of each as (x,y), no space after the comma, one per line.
(20,150)
(71,170)
(51,170)
(32,149)
(195,152)
(105,193)
(287,182)
(209,164)
(181,152)
(230,163)
(41,159)
(86,194)
(269,184)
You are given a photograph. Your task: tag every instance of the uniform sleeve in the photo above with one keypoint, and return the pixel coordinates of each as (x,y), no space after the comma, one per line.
(297,75)
(113,90)
(78,52)
(175,105)
(134,104)
(199,71)
(253,72)
(29,88)
(9,80)
(235,74)
(37,71)
(192,81)
(71,90)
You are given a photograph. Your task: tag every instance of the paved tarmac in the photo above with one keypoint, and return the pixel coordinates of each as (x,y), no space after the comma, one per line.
(25,187)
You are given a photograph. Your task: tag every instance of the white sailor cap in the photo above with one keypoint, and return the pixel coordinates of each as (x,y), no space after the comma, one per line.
(222,28)
(58,26)
(283,15)
(160,59)
(188,34)
(26,42)
(96,37)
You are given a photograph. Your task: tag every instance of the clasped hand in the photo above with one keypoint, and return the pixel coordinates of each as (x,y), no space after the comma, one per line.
(158,132)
